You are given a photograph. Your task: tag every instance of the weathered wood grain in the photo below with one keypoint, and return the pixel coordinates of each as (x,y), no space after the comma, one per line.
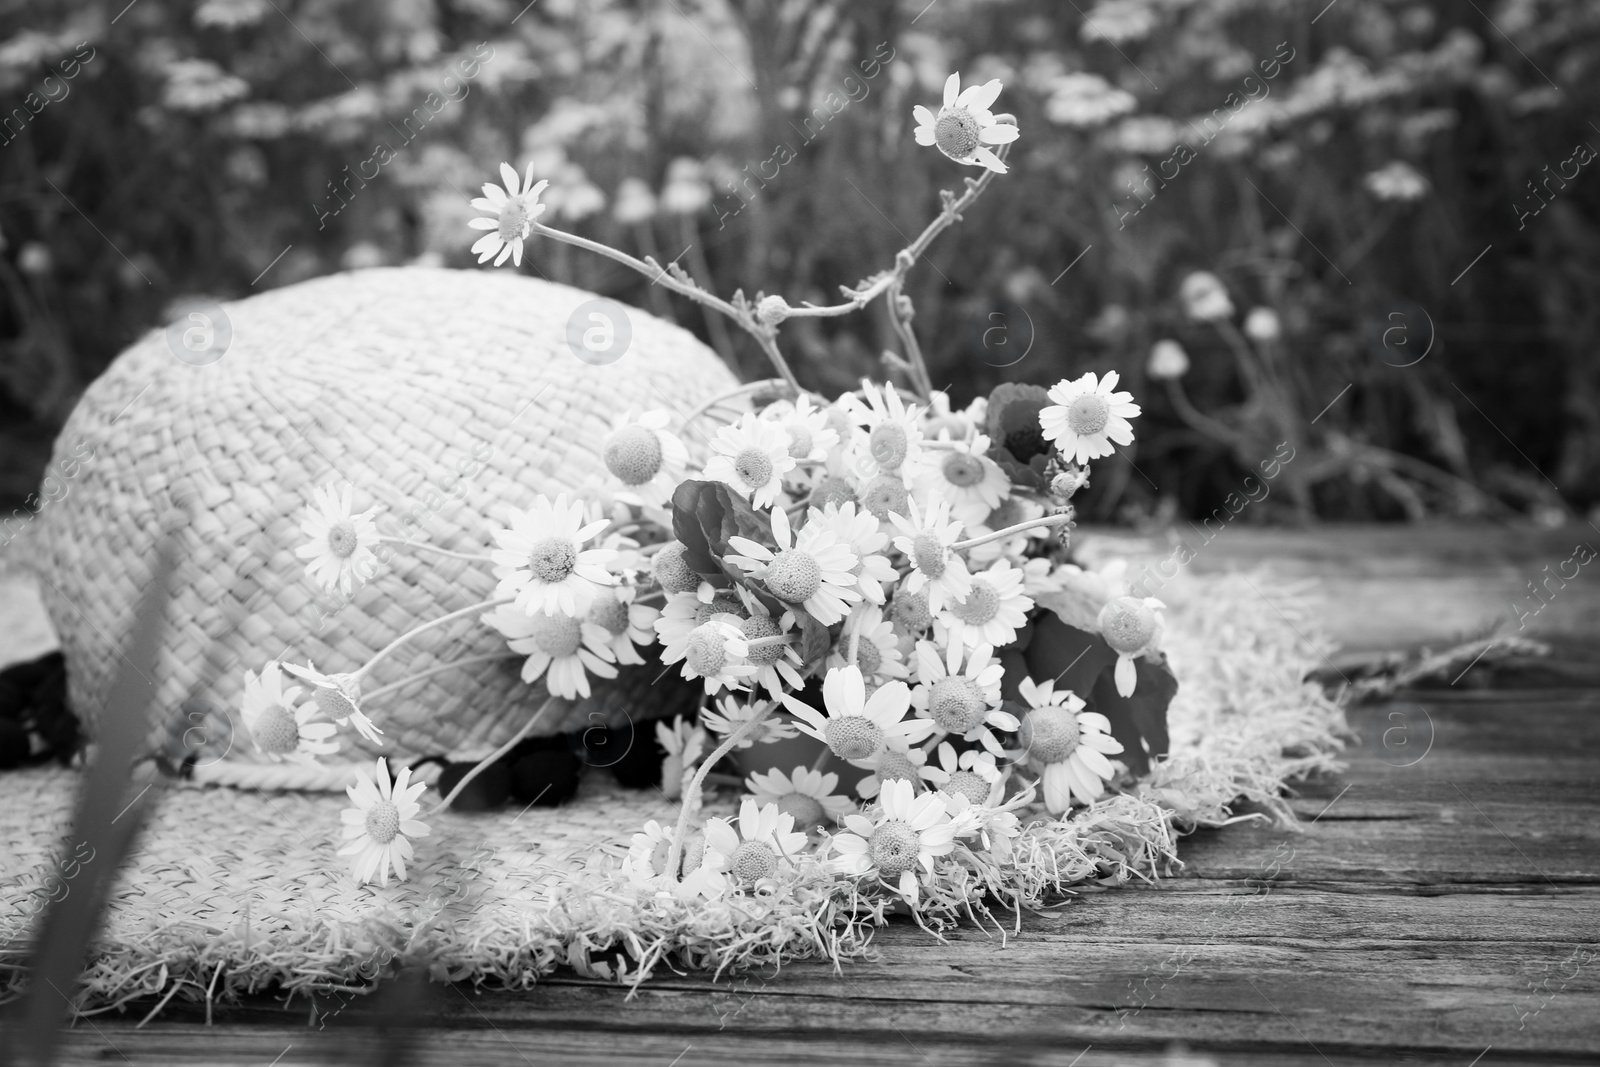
(1426,912)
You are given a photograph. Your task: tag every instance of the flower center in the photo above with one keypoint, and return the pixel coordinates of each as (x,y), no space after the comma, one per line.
(1087,414)
(956,704)
(721,604)
(928,553)
(610,613)
(754,467)
(981,605)
(633,454)
(513,220)
(853,736)
(334,704)
(807,810)
(894,847)
(276,731)
(910,612)
(892,765)
(956,133)
(969,784)
(794,576)
(888,446)
(553,559)
(707,652)
(1049,735)
(757,627)
(884,494)
(342,539)
(962,470)
(1127,624)
(869,657)
(383,822)
(832,490)
(556,635)
(753,861)
(800,442)
(671,571)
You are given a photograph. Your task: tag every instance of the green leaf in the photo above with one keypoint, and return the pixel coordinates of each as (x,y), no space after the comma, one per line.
(815,639)
(1070,657)
(687,501)
(1139,721)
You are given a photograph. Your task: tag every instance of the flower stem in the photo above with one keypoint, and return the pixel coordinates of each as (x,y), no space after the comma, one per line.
(435,549)
(765,383)
(440,621)
(998,535)
(675,849)
(659,275)
(496,754)
(440,669)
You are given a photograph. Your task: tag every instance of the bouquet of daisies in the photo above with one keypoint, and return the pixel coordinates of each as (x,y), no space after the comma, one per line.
(878,571)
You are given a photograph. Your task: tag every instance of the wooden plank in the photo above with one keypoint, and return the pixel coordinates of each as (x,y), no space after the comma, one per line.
(1401,922)
(471,1047)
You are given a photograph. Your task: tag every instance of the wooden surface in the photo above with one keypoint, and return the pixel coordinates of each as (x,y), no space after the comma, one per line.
(1441,905)
(1432,910)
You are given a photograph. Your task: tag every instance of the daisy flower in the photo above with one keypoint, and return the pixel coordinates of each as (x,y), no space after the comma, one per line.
(626,624)
(1067,744)
(562,650)
(715,651)
(863,534)
(777,666)
(647,459)
(992,612)
(856,728)
(340,552)
(1132,627)
(810,436)
(965,127)
(752,456)
(279,729)
(995,826)
(805,794)
(964,702)
(378,829)
(513,214)
(646,864)
(1087,417)
(338,697)
(910,831)
(877,649)
(683,744)
(732,714)
(766,838)
(686,611)
(541,561)
(938,573)
(964,475)
(972,774)
(910,613)
(889,765)
(812,569)
(894,439)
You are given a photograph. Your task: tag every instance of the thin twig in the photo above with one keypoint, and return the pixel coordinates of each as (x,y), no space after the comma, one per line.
(675,848)
(440,621)
(496,754)
(440,669)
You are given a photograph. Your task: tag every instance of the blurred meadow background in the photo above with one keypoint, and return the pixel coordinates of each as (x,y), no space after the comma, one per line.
(1365,228)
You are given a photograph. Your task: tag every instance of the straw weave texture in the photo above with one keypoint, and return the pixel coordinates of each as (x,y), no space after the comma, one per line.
(442,395)
(248,885)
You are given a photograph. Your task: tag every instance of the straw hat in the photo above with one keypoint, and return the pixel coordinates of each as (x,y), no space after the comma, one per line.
(441,395)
